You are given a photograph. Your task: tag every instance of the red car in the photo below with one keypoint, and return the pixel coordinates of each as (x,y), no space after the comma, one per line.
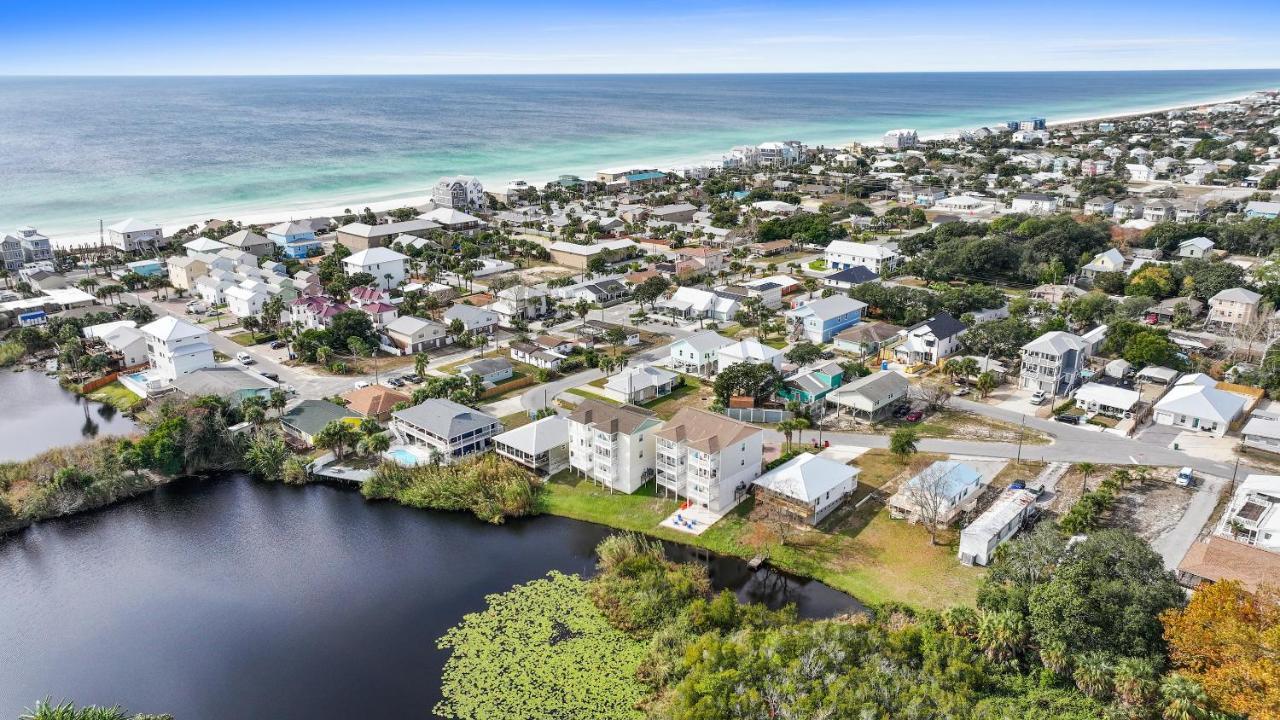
(915,416)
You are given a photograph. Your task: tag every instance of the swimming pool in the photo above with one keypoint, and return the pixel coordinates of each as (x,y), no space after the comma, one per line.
(403,456)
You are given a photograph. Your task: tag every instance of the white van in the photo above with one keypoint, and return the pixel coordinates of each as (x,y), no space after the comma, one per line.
(244,358)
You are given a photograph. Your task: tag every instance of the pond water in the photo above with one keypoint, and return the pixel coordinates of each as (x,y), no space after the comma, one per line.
(37,414)
(218,598)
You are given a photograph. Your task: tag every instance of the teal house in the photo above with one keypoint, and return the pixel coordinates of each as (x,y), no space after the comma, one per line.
(811,385)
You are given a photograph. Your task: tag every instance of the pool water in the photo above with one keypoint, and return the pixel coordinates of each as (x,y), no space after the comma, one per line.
(404,457)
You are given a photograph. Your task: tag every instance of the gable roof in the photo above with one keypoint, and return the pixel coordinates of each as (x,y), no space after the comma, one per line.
(878,387)
(310,416)
(1056,342)
(170,328)
(856,274)
(941,326)
(1201,401)
(705,341)
(1240,295)
(373,256)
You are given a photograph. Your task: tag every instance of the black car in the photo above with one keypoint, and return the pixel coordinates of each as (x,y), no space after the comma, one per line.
(413,378)
(901,411)
(395,382)
(270,376)
(278,344)
(1068,419)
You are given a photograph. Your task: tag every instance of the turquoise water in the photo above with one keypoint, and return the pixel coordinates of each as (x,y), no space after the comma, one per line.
(76,150)
(404,457)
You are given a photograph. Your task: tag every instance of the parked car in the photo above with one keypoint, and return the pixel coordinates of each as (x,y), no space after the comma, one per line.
(1018,485)
(196,307)
(270,376)
(961,391)
(278,344)
(1186,478)
(362,384)
(413,378)
(901,411)
(244,358)
(395,382)
(1039,397)
(915,416)
(1068,418)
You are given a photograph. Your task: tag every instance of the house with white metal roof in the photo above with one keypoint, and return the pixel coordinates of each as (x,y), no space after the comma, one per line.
(807,486)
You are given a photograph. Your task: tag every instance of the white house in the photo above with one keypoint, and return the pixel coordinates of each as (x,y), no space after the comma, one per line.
(1197,406)
(690,302)
(748,350)
(900,139)
(931,341)
(708,458)
(613,446)
(699,353)
(637,385)
(387,266)
(541,446)
(1103,262)
(176,347)
(1096,398)
(132,235)
(246,299)
(1034,204)
(843,254)
(943,486)
(1196,247)
(809,486)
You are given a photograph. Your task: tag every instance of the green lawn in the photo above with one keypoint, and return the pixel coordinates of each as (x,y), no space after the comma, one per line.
(116,395)
(514,420)
(818,265)
(245,339)
(592,396)
(686,395)
(861,551)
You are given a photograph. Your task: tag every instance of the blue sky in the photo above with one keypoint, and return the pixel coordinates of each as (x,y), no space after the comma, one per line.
(394,36)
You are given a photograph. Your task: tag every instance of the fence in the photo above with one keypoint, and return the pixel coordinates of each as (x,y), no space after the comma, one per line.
(758,415)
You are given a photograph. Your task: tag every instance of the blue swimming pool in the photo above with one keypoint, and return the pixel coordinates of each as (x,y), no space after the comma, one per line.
(403,456)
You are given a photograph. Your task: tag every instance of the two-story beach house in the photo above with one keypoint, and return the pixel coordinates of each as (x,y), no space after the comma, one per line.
(845,254)
(820,320)
(388,267)
(295,239)
(931,341)
(448,430)
(699,353)
(1233,309)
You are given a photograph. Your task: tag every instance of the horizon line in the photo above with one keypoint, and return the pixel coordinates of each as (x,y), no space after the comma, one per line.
(632,74)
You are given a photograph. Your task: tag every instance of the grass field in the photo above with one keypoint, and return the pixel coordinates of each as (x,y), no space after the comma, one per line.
(859,550)
(116,395)
(688,395)
(580,392)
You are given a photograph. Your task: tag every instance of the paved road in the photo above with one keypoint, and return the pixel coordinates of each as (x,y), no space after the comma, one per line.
(1173,546)
(544,395)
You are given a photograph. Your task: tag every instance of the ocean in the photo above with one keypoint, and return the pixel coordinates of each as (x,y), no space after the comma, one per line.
(74,151)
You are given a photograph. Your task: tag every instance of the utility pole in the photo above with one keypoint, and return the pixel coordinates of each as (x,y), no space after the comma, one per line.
(1021,426)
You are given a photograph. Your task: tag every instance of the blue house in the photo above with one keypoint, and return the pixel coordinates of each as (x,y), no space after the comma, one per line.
(813,384)
(1262,209)
(295,239)
(819,320)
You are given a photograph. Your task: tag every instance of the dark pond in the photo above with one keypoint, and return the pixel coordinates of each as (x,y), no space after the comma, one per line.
(226,598)
(37,414)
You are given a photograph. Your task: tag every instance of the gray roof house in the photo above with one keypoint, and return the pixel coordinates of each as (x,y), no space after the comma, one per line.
(450,430)
(474,319)
(873,397)
(306,419)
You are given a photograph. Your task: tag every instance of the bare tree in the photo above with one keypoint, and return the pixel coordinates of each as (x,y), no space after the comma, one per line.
(936,395)
(929,494)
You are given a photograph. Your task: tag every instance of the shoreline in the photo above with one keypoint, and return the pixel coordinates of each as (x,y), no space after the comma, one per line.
(381,201)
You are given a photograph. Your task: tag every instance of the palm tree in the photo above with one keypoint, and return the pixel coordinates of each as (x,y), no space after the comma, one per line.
(1135,682)
(985,384)
(1086,469)
(254,409)
(279,398)
(1183,698)
(337,436)
(1002,635)
(787,428)
(420,362)
(1093,675)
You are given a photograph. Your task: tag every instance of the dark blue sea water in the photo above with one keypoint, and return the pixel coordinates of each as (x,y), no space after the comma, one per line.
(76,150)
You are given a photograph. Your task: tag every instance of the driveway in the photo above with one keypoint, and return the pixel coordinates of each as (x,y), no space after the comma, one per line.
(1173,546)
